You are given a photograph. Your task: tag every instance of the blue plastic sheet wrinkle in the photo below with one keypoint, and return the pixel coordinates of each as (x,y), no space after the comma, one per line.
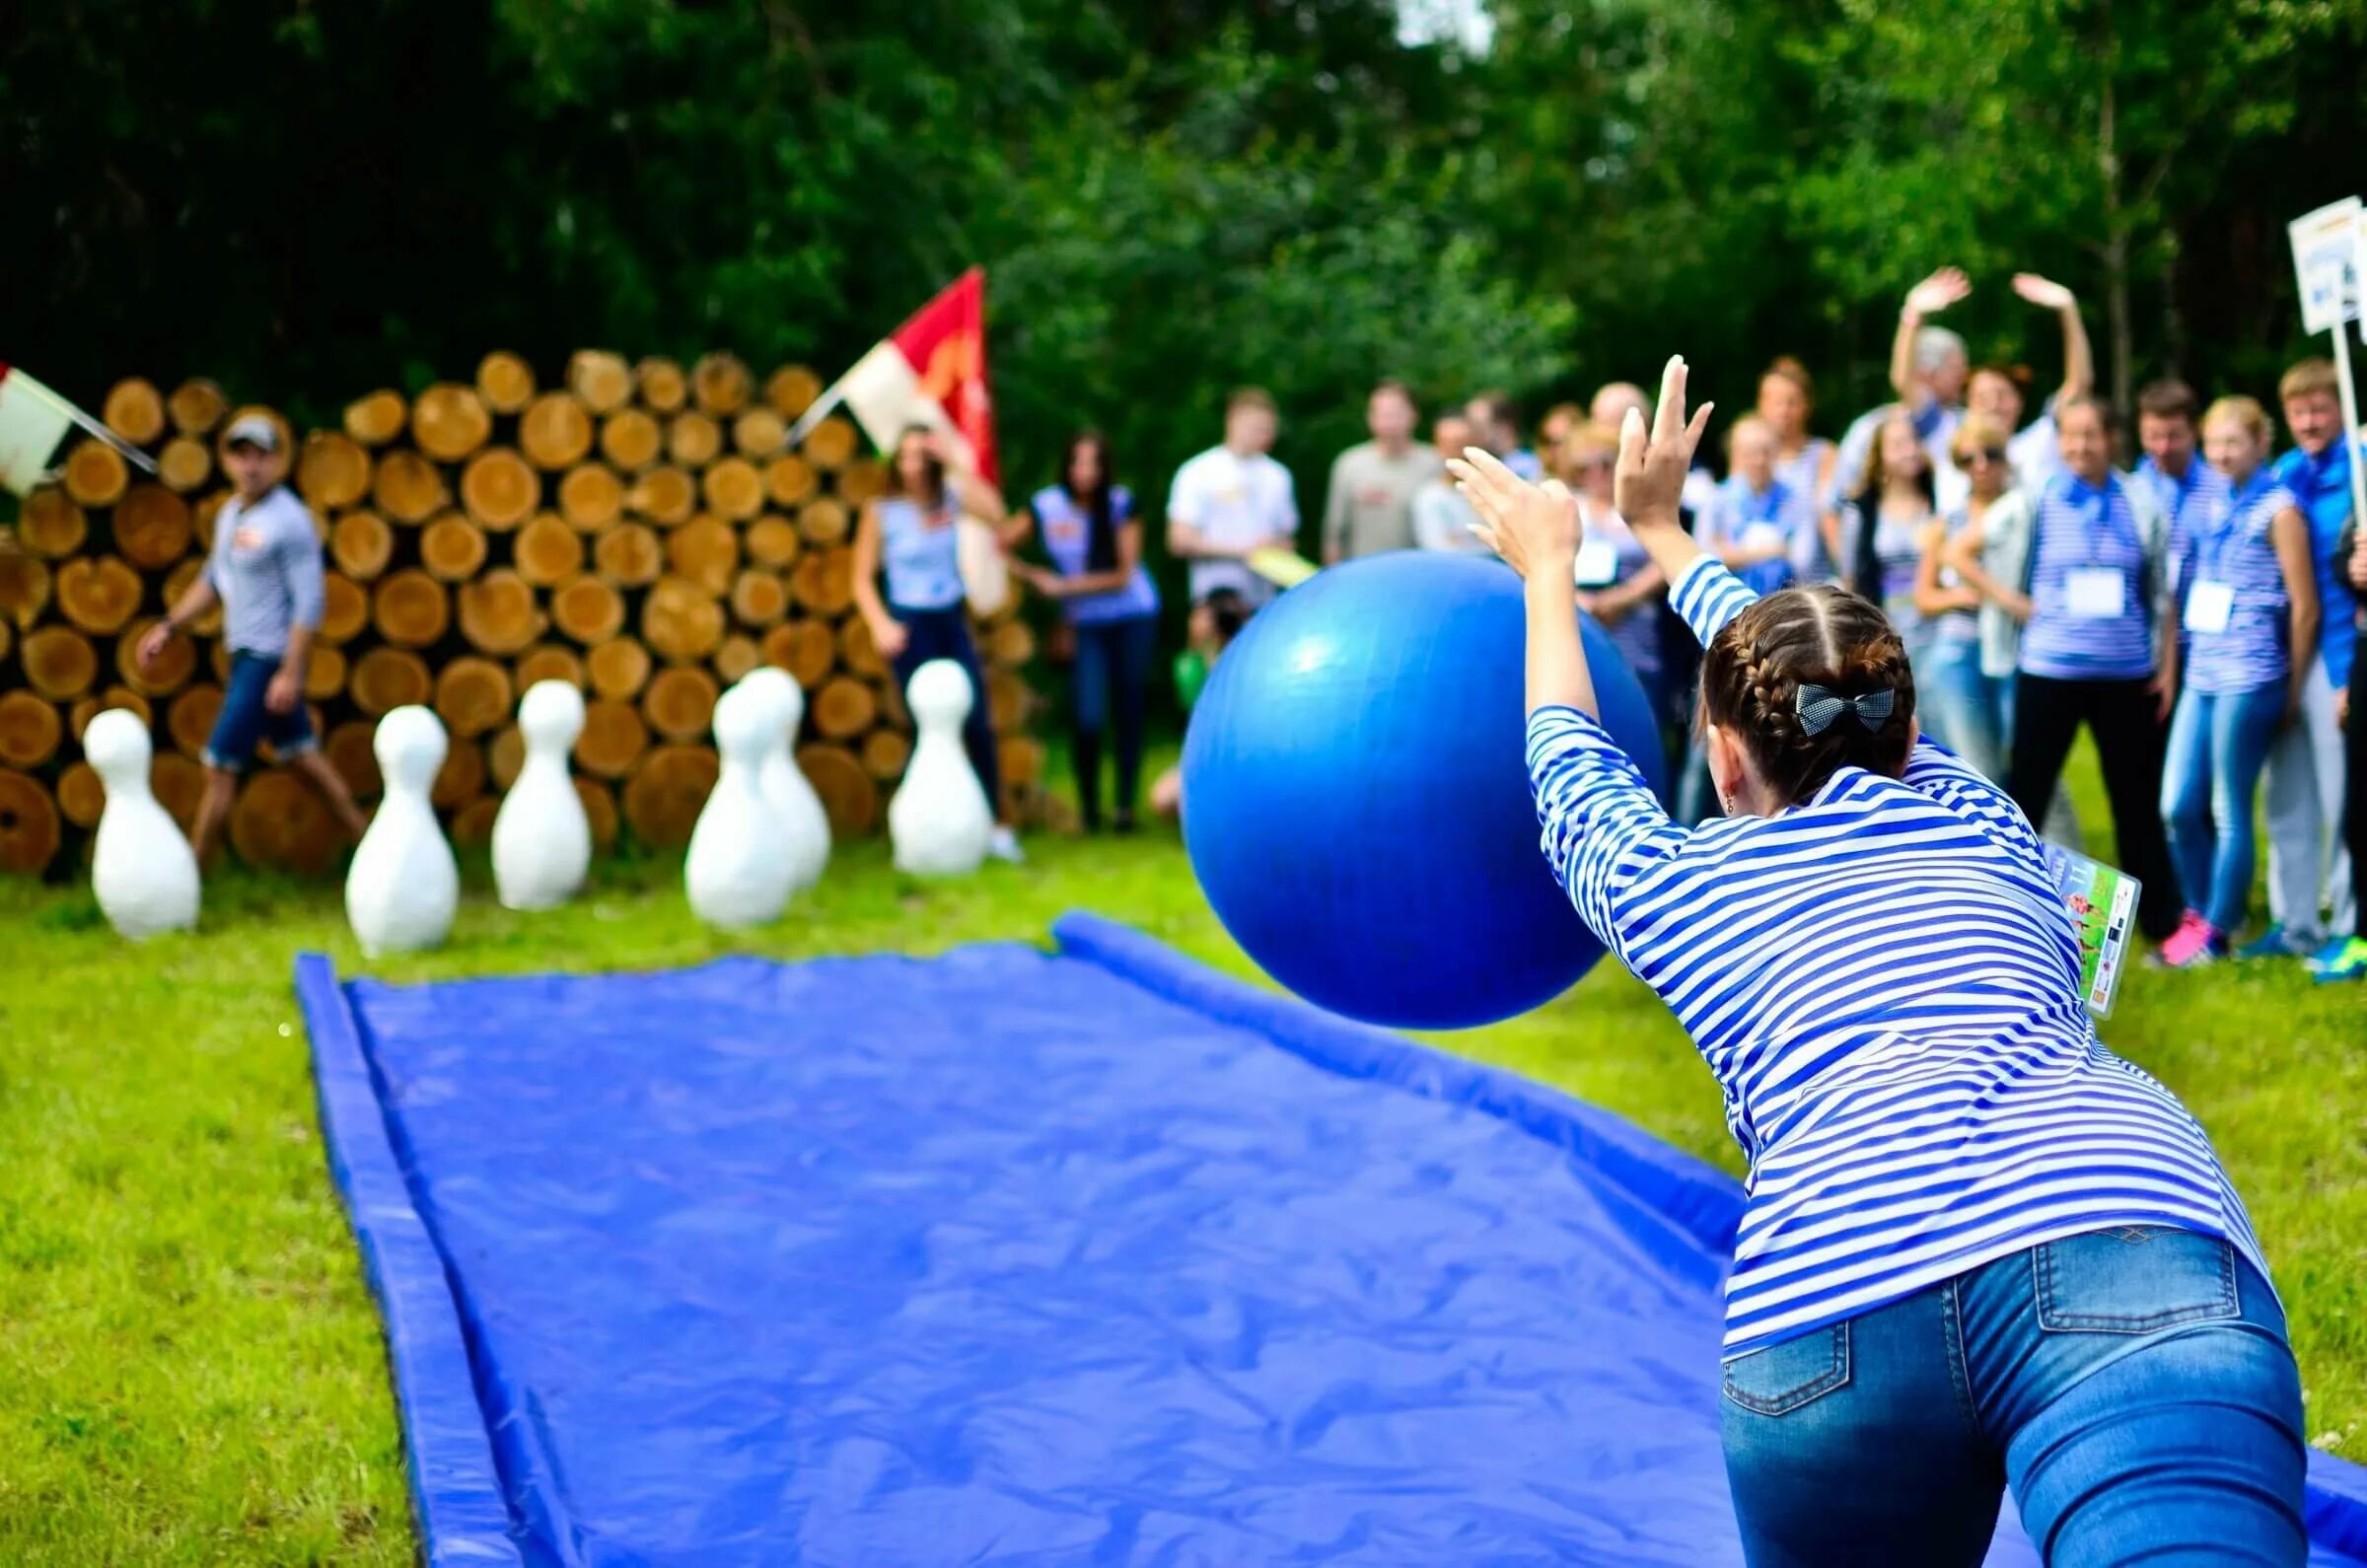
(1015,1257)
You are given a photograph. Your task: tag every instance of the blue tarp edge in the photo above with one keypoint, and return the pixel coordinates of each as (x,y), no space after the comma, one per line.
(455,1491)
(1697,1197)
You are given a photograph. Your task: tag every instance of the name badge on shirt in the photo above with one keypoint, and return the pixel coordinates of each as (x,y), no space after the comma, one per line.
(246,538)
(1762,537)
(1598,563)
(2208,606)
(2097,592)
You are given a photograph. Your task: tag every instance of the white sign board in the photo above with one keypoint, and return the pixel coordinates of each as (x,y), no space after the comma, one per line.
(2325,264)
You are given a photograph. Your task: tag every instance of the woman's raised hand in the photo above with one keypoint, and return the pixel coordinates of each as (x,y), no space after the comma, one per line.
(1649,482)
(1938,291)
(1534,527)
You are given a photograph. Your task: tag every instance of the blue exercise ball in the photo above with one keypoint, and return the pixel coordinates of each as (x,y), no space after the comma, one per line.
(1356,797)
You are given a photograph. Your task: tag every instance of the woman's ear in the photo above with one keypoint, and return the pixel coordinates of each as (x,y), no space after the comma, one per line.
(1725,764)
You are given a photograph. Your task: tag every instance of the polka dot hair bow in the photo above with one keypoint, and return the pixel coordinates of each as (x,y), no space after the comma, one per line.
(1817,706)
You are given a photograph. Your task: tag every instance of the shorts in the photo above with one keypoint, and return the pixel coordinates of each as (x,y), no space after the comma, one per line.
(245,720)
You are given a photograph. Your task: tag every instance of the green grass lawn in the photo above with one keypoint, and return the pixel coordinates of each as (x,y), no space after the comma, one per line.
(191,1368)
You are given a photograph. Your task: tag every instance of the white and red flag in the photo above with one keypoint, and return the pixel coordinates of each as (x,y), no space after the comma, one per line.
(931,371)
(33,421)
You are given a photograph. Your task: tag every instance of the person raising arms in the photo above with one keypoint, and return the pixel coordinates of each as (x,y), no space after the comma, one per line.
(1980,1252)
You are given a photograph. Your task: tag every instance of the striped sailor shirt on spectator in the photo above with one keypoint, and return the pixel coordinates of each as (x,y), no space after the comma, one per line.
(2090,587)
(2235,612)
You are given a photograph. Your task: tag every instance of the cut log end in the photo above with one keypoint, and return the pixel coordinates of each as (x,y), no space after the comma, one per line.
(591,497)
(849,796)
(705,551)
(135,410)
(790,480)
(361,545)
(679,702)
(473,697)
(885,754)
(555,431)
(693,440)
(332,470)
(378,418)
(196,406)
(664,797)
(386,679)
(61,664)
(185,464)
(681,621)
(500,489)
(450,421)
(409,489)
(505,382)
(734,488)
(759,598)
(280,822)
(735,657)
(498,614)
(844,708)
(96,473)
(30,730)
(587,610)
(547,551)
(720,384)
(661,384)
(410,609)
(630,439)
(617,668)
(549,660)
(29,827)
(613,739)
(791,391)
(663,495)
(81,796)
(804,648)
(628,555)
(189,718)
(604,381)
(451,548)
(153,526)
(50,524)
(773,541)
(824,581)
(98,594)
(345,608)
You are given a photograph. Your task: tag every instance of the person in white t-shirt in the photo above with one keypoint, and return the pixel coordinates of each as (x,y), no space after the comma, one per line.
(1231,502)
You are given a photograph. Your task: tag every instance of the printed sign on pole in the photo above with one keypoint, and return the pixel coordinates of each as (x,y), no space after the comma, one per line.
(2325,264)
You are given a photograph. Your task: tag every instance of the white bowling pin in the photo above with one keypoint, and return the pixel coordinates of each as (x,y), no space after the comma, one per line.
(940,822)
(739,869)
(403,887)
(804,824)
(141,868)
(541,839)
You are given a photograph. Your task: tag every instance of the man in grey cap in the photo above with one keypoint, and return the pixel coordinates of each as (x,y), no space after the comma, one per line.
(264,570)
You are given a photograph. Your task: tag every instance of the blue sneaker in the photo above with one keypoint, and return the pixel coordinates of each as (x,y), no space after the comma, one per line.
(2343,959)
(2270,944)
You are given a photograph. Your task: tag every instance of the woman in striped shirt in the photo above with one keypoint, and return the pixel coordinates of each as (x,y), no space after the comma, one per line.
(2100,648)
(2248,597)
(1979,1249)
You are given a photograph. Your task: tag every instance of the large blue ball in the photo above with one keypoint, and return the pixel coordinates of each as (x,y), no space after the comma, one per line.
(1356,797)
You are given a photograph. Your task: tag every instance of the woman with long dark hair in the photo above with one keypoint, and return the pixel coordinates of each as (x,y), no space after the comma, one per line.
(1095,540)
(910,532)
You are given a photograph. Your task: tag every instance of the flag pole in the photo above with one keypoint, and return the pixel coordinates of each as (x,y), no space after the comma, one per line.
(94,427)
(2350,409)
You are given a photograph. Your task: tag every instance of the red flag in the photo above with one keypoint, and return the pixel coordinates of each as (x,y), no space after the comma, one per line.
(931,371)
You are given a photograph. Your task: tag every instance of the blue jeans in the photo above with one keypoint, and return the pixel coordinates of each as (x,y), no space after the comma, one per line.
(2218,744)
(1962,708)
(245,720)
(2132,1386)
(944,634)
(1112,670)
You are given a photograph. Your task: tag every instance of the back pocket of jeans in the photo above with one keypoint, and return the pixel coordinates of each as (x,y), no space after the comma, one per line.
(2133,1279)
(1784,1377)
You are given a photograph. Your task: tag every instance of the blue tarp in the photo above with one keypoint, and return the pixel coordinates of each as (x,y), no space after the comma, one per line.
(1008,1256)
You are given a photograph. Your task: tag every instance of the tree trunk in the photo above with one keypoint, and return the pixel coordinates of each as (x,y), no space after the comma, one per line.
(613,739)
(705,551)
(791,391)
(604,381)
(409,607)
(450,421)
(790,480)
(617,668)
(591,498)
(189,718)
(196,406)
(409,489)
(630,439)
(665,794)
(451,548)
(848,795)
(499,489)
(98,594)
(549,660)
(50,524)
(555,431)
(823,522)
(772,541)
(587,610)
(2119,330)
(824,581)
(61,664)
(628,555)
(720,383)
(498,615)
(735,657)
(134,410)
(804,648)
(759,598)
(734,488)
(152,526)
(505,382)
(386,679)
(663,495)
(30,730)
(332,472)
(281,821)
(679,702)
(378,418)
(680,621)
(361,545)
(473,697)
(344,609)
(547,551)
(661,384)
(30,832)
(759,432)
(693,440)
(185,464)
(96,473)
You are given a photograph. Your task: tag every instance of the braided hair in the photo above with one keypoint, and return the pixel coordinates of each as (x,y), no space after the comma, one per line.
(1754,669)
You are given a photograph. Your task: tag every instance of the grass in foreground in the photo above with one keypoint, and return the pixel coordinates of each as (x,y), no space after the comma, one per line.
(191,1368)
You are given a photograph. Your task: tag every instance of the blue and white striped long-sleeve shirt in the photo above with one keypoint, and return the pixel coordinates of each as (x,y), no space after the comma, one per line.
(1886,984)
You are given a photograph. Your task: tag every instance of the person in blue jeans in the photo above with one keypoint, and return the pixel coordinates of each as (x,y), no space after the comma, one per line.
(2248,597)
(910,532)
(1094,537)
(1965,707)
(1981,1251)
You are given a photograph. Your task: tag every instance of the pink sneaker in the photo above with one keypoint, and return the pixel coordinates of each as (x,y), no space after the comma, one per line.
(2195,943)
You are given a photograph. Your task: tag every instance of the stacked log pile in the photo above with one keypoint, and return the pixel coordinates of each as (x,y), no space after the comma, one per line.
(644,531)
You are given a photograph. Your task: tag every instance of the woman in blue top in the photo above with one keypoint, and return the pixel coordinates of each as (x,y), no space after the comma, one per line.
(2248,597)
(1979,1250)
(1095,539)
(911,531)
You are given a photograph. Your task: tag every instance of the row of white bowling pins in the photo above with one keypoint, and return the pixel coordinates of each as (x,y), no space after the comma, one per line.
(761,837)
